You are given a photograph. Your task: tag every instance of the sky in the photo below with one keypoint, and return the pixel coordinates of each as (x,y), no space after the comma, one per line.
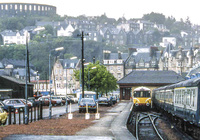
(127,8)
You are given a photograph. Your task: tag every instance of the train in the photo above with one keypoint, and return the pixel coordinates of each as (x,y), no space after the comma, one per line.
(181,103)
(142,98)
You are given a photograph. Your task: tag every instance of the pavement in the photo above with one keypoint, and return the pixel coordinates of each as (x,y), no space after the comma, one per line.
(110,127)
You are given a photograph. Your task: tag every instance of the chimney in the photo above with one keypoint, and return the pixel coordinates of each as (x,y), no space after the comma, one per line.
(153,51)
(119,55)
(131,50)
(106,54)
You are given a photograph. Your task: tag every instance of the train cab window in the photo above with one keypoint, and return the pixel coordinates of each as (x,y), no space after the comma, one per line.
(146,94)
(136,94)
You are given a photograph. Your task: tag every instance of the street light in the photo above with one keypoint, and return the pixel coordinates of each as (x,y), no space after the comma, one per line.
(50,82)
(66,104)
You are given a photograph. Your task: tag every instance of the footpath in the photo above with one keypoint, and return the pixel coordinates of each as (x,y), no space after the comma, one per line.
(110,127)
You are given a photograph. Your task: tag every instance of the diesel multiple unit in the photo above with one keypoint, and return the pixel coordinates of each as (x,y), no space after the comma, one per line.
(181,101)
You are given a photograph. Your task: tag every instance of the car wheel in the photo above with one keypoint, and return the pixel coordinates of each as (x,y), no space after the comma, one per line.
(79,110)
(5,122)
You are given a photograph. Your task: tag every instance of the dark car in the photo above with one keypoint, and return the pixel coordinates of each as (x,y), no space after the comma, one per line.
(105,101)
(45,101)
(114,99)
(87,102)
(34,101)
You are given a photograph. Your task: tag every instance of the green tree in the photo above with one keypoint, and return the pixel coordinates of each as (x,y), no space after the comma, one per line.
(97,78)
(155,17)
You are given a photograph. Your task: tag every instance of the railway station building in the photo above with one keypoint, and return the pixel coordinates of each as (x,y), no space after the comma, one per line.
(149,79)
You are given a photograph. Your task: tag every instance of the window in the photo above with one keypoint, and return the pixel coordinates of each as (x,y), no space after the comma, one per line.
(119,75)
(119,68)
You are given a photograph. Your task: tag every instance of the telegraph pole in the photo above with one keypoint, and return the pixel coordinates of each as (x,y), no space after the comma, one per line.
(82,61)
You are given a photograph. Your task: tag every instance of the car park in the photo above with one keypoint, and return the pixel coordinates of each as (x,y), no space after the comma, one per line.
(3,116)
(105,101)
(87,102)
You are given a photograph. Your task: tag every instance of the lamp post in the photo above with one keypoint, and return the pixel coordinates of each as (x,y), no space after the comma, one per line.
(50,82)
(66,104)
(82,61)
(26,90)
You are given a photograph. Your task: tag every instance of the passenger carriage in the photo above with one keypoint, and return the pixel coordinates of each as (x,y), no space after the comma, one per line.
(182,101)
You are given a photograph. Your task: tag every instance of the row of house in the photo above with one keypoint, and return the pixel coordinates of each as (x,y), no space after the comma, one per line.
(125,33)
(181,61)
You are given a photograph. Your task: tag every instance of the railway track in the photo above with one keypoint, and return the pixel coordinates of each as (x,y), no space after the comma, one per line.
(145,126)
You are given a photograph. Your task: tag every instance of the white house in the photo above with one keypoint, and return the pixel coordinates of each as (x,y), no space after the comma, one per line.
(168,40)
(65,30)
(10,37)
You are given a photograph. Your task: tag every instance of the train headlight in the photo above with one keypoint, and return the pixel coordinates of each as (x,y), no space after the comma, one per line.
(136,104)
(147,104)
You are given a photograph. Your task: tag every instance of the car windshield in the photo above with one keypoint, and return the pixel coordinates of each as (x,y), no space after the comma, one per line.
(55,97)
(102,98)
(87,100)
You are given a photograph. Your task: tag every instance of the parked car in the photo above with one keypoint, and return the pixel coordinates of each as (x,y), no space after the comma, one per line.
(34,101)
(3,106)
(73,99)
(57,99)
(16,103)
(87,101)
(69,100)
(3,116)
(105,101)
(114,99)
(45,101)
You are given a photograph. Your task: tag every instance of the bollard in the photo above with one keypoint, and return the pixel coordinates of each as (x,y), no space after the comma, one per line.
(40,110)
(34,112)
(9,110)
(23,116)
(31,114)
(14,122)
(20,115)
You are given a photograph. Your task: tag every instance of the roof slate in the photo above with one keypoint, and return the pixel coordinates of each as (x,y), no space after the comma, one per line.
(149,77)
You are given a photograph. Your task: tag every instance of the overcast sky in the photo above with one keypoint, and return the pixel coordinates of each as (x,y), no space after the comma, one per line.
(128,8)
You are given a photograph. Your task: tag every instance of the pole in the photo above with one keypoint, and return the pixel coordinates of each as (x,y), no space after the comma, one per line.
(26,106)
(66,104)
(89,79)
(82,38)
(50,84)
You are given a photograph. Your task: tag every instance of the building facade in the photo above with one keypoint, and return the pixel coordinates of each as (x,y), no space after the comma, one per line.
(63,80)
(25,9)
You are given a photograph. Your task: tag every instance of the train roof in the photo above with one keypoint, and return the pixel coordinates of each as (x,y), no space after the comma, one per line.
(142,89)
(186,83)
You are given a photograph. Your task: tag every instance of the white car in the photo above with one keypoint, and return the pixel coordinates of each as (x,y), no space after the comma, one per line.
(57,99)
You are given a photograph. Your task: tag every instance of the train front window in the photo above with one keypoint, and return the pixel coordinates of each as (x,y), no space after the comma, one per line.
(146,94)
(142,94)
(137,94)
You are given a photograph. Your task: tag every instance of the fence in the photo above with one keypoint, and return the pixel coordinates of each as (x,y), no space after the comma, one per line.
(17,116)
